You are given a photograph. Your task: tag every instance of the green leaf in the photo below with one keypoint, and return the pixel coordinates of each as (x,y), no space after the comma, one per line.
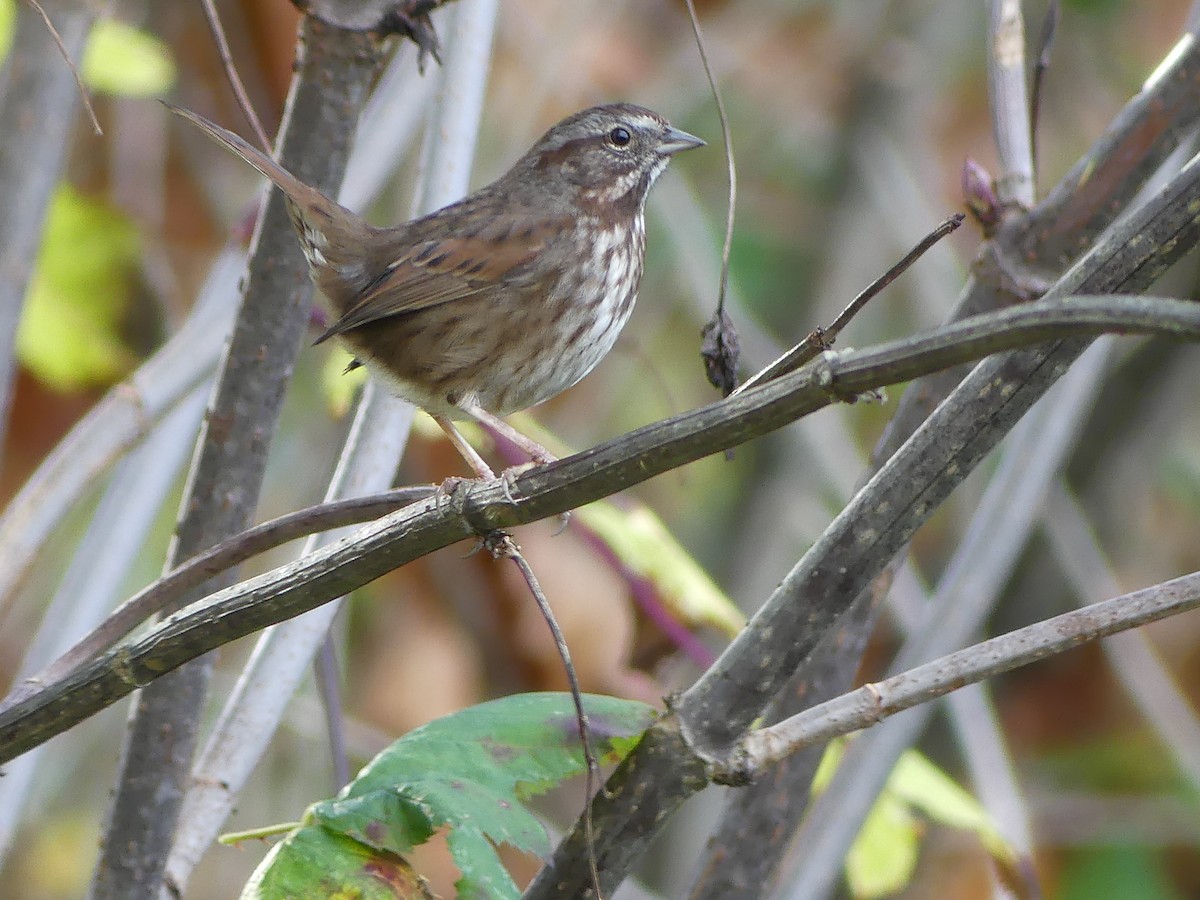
(315,862)
(69,335)
(470,773)
(484,876)
(8,25)
(927,788)
(646,547)
(340,386)
(882,859)
(122,60)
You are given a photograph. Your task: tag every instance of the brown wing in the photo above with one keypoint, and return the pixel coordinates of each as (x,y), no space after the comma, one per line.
(440,270)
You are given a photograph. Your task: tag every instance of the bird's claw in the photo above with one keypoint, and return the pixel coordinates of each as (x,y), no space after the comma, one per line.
(508,479)
(443,494)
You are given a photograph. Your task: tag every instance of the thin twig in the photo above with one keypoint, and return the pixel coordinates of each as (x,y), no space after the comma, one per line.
(1045,45)
(228,553)
(874,702)
(502,546)
(83,92)
(721,347)
(822,339)
(329,686)
(727,137)
(235,80)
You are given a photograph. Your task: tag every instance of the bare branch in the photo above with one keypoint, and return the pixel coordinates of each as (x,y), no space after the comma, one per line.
(502,546)
(221,557)
(721,346)
(231,72)
(547,490)
(66,55)
(823,338)
(334,73)
(874,702)
(1010,101)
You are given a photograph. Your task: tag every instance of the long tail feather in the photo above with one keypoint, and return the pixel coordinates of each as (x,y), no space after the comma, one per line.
(307,197)
(332,237)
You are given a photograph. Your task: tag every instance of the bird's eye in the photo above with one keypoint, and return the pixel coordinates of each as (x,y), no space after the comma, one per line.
(619,136)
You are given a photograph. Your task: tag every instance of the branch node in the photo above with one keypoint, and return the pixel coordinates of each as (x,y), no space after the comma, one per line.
(872,692)
(405,18)
(739,769)
(827,380)
(732,766)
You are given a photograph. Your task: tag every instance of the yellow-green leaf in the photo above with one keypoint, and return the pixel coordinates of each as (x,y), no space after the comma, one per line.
(338,385)
(647,548)
(883,856)
(927,788)
(120,59)
(69,336)
(882,859)
(8,24)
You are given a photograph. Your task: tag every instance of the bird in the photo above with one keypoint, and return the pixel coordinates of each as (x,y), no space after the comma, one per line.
(503,299)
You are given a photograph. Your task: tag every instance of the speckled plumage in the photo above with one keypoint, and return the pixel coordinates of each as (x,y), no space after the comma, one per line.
(509,296)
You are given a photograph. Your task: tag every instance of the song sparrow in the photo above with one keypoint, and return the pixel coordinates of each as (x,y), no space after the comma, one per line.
(505,298)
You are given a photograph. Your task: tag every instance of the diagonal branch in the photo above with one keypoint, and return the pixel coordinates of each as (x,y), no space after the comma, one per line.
(478,508)
(335,71)
(872,703)
(860,543)
(220,557)
(1028,251)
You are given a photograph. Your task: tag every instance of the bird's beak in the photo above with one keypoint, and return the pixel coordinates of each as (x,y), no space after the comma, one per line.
(676,141)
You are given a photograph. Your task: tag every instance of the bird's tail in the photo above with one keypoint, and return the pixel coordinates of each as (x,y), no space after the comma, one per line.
(331,236)
(292,186)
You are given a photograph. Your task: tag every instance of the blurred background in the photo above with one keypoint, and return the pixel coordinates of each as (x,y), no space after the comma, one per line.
(851,123)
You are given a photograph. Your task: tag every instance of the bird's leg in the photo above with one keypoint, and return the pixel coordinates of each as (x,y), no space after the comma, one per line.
(469,453)
(536,451)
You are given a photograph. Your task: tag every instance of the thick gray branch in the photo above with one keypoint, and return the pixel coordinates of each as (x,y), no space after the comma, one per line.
(880,520)
(1029,251)
(335,70)
(604,470)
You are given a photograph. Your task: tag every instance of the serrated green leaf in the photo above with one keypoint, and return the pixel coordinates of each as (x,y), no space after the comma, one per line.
(470,773)
(485,877)
(69,336)
(884,855)
(315,862)
(120,59)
